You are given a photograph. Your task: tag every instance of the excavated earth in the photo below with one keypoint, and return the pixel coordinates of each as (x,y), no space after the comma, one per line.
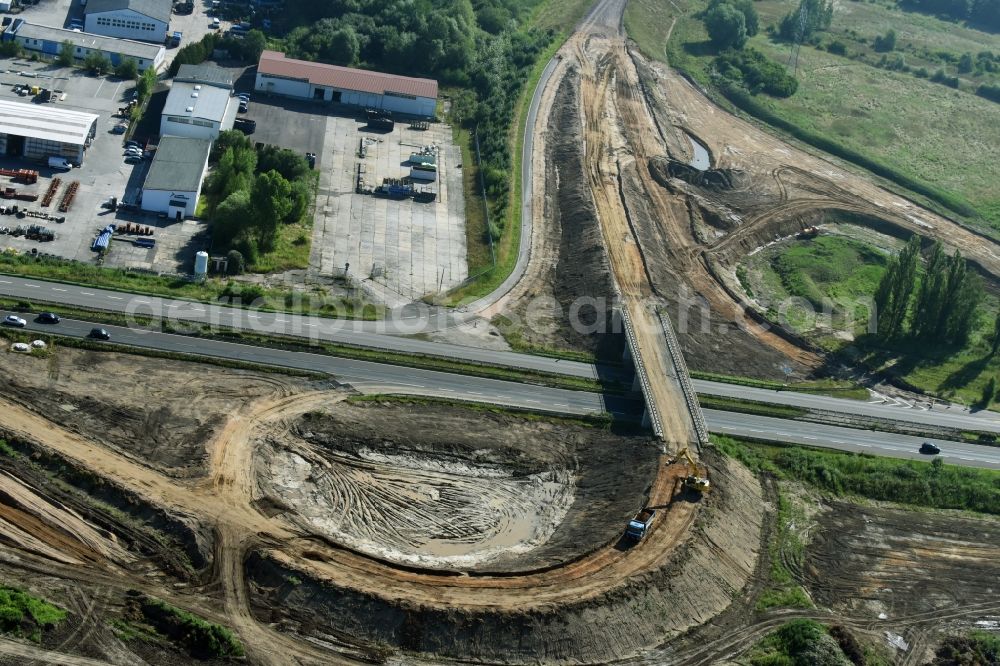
(701,578)
(421,487)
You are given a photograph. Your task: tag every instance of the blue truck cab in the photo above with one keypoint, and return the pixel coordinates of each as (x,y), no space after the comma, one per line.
(639,526)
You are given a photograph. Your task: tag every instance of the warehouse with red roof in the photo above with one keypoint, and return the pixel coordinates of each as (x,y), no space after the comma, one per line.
(278,75)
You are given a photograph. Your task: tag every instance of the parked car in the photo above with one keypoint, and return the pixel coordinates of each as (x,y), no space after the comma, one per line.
(119,129)
(137,152)
(99,334)
(244,96)
(929,448)
(132,144)
(47,318)
(14,320)
(244,125)
(133,159)
(216,23)
(20,347)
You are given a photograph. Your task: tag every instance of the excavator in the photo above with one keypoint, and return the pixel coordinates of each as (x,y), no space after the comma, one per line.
(693,481)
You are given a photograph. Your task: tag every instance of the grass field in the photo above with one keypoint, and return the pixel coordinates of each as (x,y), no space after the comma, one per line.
(847,270)
(946,138)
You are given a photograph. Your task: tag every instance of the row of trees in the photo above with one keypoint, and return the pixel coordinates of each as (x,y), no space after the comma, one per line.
(942,309)
(247,49)
(983,13)
(257,191)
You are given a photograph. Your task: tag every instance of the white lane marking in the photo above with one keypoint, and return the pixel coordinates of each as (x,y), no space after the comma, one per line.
(5,281)
(87,293)
(529,400)
(281,321)
(475,393)
(33,286)
(57,289)
(115,298)
(754,430)
(305,324)
(807,437)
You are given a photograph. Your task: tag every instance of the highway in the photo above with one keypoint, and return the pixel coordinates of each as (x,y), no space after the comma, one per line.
(378,377)
(390,335)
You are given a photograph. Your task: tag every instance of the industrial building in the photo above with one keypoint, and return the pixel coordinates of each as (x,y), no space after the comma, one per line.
(278,75)
(174,181)
(49,41)
(38,132)
(208,75)
(142,20)
(197,111)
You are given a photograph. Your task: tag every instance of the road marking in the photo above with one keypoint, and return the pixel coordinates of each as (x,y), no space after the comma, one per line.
(807,437)
(753,430)
(5,281)
(529,400)
(57,289)
(305,324)
(33,286)
(115,298)
(281,321)
(475,393)
(87,293)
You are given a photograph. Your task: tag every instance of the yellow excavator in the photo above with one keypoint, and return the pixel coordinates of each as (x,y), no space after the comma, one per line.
(693,481)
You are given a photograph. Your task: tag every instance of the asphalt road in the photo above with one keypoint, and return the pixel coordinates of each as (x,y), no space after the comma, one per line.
(389,335)
(368,376)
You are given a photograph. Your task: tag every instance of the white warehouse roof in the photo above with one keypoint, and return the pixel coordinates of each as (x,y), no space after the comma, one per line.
(45,122)
(210,102)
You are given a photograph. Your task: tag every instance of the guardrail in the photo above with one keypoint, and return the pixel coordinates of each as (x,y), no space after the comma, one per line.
(640,371)
(684,377)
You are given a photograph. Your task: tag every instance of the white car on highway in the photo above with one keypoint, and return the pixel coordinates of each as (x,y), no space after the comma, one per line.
(14,320)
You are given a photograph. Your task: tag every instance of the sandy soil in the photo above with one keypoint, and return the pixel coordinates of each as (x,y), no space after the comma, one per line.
(494,494)
(156,412)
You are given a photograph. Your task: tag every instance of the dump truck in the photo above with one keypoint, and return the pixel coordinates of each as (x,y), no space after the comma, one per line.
(638,526)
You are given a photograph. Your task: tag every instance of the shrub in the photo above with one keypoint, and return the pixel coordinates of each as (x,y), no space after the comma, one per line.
(757,73)
(837,47)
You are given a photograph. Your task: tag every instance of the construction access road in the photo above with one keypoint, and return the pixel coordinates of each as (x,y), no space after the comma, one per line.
(372,377)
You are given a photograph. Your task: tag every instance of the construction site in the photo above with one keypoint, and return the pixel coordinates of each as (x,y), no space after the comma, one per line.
(326,523)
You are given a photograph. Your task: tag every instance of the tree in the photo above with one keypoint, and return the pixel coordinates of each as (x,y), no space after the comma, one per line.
(965,63)
(235,263)
(750,16)
(726,27)
(270,201)
(989,390)
(808,18)
(65,57)
(300,202)
(886,43)
(254,43)
(344,47)
(946,304)
(231,218)
(995,343)
(127,69)
(892,297)
(97,63)
(145,84)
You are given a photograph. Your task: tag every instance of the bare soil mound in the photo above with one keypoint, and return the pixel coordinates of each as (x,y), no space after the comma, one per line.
(699,580)
(437,487)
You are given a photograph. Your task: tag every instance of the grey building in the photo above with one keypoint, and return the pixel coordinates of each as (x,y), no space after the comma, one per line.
(143,20)
(37,132)
(174,181)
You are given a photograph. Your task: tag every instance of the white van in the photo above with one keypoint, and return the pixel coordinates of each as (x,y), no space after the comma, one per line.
(60,163)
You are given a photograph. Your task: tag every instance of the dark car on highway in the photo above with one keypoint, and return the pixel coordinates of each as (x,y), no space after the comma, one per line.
(99,334)
(932,449)
(47,318)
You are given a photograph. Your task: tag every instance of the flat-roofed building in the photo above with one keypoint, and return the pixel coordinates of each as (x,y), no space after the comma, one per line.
(197,110)
(278,75)
(49,41)
(174,181)
(37,132)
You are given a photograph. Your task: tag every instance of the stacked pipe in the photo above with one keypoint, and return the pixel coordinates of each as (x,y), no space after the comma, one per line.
(50,193)
(67,198)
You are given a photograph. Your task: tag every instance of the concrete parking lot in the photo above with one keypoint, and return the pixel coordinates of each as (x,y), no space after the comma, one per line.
(103,174)
(407,249)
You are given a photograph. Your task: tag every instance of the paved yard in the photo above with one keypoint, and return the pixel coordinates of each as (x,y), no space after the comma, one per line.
(406,249)
(104,174)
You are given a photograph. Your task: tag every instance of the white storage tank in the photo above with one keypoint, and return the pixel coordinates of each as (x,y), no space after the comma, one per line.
(201,264)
